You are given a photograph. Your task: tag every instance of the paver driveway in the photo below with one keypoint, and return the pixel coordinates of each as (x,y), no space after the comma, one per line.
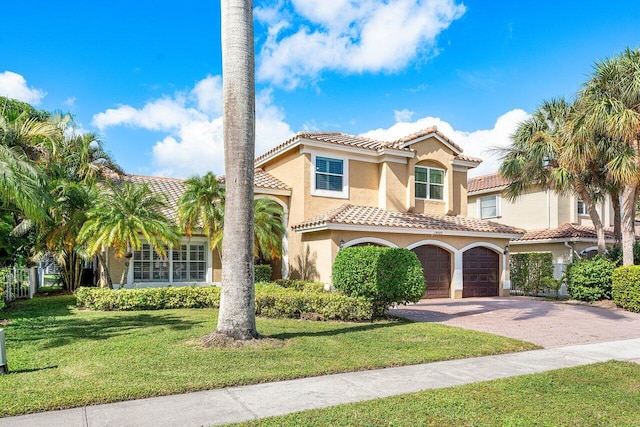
(542,322)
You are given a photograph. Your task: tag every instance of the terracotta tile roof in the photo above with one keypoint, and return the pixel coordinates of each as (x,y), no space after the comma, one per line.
(565,231)
(344,139)
(370,216)
(262,179)
(173,188)
(486,182)
(468,159)
(425,132)
(337,138)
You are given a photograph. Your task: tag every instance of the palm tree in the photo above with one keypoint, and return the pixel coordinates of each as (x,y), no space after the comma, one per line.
(268,229)
(124,213)
(610,102)
(202,206)
(22,131)
(538,156)
(236,317)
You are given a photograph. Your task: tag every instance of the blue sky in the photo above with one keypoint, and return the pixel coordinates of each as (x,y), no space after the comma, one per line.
(145,75)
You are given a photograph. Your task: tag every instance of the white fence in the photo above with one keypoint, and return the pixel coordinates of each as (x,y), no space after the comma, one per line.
(18,284)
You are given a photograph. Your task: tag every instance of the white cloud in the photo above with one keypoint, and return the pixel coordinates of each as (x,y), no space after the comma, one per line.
(475,143)
(403,115)
(352,36)
(193,126)
(13,85)
(70,102)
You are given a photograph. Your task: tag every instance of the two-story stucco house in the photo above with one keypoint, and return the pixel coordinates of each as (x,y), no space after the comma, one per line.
(554,222)
(340,190)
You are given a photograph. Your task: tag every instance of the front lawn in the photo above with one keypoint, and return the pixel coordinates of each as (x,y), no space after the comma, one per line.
(605,394)
(61,357)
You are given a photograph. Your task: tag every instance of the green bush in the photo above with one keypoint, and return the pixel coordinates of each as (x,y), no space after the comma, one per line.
(625,287)
(300,285)
(385,275)
(262,273)
(271,301)
(590,279)
(148,298)
(2,303)
(276,301)
(614,253)
(529,271)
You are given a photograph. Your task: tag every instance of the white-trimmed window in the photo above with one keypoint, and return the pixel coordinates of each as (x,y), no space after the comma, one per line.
(429,183)
(330,176)
(185,263)
(582,208)
(189,263)
(489,206)
(149,266)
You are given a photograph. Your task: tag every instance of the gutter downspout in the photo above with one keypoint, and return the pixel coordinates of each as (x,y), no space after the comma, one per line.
(570,251)
(548,209)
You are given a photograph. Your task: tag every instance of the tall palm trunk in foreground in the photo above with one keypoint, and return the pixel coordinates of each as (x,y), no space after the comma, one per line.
(237,312)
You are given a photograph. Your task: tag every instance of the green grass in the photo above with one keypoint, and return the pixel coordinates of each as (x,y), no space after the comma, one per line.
(62,357)
(605,394)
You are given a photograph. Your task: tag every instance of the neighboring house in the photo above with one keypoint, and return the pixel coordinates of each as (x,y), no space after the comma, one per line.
(341,190)
(555,223)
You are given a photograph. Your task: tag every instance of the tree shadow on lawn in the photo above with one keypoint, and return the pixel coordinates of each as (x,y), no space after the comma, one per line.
(340,331)
(59,332)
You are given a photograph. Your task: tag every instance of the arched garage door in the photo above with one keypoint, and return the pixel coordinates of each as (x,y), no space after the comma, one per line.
(480,272)
(436,264)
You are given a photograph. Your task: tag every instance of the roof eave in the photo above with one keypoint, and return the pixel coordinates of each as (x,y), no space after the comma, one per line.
(404,230)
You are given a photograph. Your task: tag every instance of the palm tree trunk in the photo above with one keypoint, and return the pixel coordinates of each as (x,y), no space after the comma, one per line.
(105,268)
(617,220)
(593,214)
(125,272)
(629,201)
(237,301)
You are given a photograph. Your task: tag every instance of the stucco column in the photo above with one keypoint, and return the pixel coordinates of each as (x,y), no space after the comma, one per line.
(457,275)
(506,278)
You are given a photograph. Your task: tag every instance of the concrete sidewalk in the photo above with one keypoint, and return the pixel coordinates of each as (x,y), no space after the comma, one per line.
(236,404)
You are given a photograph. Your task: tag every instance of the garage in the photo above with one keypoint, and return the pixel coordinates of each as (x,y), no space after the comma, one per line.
(436,264)
(480,273)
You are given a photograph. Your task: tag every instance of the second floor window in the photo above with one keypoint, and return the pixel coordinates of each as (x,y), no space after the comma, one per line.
(489,207)
(429,183)
(329,174)
(582,208)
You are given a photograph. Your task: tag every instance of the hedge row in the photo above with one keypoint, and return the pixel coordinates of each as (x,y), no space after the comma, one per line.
(276,301)
(271,301)
(147,298)
(626,287)
(300,285)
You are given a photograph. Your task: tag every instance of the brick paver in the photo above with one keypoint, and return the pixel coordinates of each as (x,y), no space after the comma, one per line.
(546,323)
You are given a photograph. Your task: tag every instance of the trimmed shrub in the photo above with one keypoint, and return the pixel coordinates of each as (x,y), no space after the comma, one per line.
(529,271)
(276,301)
(300,285)
(590,279)
(625,287)
(384,275)
(262,273)
(271,301)
(148,299)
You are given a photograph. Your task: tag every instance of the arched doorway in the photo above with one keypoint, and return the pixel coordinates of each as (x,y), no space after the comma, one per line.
(436,265)
(480,272)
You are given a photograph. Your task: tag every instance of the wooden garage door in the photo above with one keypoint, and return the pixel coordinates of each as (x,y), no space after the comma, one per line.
(436,264)
(480,273)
